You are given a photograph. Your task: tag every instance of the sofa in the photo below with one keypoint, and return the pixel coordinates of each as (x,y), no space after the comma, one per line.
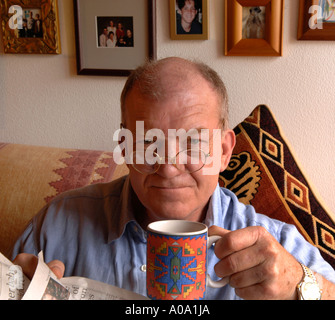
(262,172)
(31,176)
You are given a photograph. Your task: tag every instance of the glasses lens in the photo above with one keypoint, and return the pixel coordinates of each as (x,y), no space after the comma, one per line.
(190,160)
(187,161)
(146,164)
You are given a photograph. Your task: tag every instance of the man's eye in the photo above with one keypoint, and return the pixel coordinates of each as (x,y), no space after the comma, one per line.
(139,145)
(194,141)
(148,141)
(145,142)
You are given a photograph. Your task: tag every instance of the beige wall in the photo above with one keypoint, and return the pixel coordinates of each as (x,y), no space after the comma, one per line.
(44,102)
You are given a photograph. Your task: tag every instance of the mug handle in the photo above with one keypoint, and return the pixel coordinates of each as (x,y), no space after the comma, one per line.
(224,281)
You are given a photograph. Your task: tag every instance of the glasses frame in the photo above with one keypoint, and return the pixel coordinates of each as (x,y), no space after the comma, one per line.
(159,162)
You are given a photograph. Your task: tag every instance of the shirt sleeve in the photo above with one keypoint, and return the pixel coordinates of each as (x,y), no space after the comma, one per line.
(306,253)
(31,240)
(25,243)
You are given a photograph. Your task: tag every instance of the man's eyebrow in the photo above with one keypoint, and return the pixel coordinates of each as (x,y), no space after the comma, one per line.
(197,129)
(200,130)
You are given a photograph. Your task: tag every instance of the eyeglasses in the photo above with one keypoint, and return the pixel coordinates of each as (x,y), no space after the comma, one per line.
(188,161)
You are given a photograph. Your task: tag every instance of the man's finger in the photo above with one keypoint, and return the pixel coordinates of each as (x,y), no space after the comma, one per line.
(217,231)
(238,262)
(57,267)
(28,263)
(237,240)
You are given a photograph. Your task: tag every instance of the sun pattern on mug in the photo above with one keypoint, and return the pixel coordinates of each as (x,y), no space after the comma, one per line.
(176,267)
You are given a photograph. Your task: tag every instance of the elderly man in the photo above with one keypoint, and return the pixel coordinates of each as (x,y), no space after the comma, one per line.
(99,231)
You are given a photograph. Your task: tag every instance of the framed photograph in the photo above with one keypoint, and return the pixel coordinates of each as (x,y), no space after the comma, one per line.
(254,27)
(113,37)
(189,19)
(316,20)
(30,26)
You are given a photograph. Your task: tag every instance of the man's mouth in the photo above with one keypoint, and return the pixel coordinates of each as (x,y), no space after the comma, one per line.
(169,187)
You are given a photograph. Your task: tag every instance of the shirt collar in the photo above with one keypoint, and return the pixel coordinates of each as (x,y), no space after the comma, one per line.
(214,215)
(123,214)
(219,210)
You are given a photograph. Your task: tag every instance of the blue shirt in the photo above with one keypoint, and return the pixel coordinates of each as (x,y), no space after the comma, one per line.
(94,232)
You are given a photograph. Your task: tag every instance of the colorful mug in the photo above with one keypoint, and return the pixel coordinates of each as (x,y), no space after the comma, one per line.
(177,260)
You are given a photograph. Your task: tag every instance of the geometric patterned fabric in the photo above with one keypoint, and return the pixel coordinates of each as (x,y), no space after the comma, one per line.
(263,172)
(176,266)
(31,176)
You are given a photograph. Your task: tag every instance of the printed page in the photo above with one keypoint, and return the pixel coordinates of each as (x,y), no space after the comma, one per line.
(13,283)
(87,289)
(45,285)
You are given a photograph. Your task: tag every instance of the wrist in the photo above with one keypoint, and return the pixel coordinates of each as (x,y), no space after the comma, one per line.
(309,287)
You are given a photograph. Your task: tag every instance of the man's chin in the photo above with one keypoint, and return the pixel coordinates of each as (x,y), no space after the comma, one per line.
(174,212)
(170,194)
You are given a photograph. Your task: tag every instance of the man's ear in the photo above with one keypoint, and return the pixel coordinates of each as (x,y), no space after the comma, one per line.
(228,143)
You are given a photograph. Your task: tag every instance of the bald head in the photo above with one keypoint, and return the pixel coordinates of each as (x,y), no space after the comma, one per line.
(160,80)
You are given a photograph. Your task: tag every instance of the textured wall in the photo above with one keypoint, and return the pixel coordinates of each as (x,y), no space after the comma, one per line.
(44,102)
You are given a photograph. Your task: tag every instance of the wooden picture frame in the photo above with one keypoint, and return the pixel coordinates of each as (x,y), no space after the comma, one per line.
(313,24)
(137,18)
(199,26)
(254,32)
(31,27)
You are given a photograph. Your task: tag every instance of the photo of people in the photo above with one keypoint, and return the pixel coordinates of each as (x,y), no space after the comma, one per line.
(32,24)
(189,16)
(253,23)
(55,291)
(115,32)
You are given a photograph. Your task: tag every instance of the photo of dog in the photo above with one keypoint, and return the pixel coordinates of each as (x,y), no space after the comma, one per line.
(253,24)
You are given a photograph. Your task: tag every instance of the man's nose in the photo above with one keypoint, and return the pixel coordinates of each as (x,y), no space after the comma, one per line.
(168,170)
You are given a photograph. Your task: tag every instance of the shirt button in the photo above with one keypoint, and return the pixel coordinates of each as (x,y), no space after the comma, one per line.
(144,268)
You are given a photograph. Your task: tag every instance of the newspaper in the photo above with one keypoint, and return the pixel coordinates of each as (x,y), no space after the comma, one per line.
(44,285)
(13,283)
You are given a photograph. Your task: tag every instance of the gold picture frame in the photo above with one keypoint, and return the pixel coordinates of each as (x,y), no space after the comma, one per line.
(30,26)
(321,28)
(254,27)
(200,23)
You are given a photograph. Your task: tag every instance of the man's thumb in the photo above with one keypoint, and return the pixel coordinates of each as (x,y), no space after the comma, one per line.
(57,267)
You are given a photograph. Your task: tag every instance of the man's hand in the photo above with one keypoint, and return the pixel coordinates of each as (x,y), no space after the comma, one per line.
(28,263)
(257,265)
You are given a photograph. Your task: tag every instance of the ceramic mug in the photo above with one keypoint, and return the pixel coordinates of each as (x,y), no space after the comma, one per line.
(177,260)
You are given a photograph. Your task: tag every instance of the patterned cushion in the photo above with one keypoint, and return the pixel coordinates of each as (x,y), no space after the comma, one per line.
(30,176)
(264,173)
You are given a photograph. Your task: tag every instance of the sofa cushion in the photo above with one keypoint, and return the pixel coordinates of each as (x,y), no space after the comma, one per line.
(264,173)
(30,176)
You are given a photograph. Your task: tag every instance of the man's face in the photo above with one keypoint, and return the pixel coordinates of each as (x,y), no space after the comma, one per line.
(189,12)
(170,193)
